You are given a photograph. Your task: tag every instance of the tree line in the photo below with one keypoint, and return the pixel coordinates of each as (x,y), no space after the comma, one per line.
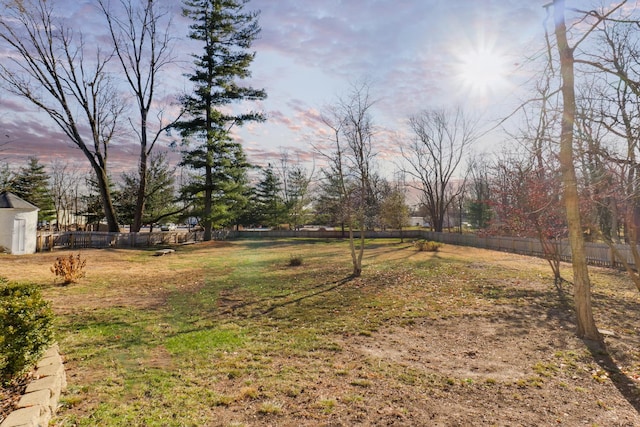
(281,195)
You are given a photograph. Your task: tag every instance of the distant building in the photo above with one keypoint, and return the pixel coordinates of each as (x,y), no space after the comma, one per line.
(18,224)
(418,221)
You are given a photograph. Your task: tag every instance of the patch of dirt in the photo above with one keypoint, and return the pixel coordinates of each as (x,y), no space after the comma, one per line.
(159,359)
(476,348)
(489,370)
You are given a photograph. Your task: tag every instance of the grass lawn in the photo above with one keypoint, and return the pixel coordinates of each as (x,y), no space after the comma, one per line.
(228,334)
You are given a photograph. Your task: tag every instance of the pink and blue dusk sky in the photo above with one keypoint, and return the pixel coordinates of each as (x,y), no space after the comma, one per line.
(416,55)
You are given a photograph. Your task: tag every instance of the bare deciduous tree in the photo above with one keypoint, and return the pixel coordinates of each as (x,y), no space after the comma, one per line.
(442,139)
(50,67)
(586,327)
(351,165)
(608,123)
(143,50)
(64,183)
(479,192)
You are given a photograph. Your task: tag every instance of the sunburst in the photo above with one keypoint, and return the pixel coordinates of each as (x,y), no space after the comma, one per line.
(482,71)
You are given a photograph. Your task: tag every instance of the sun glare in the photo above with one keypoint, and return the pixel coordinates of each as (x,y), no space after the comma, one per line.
(482,71)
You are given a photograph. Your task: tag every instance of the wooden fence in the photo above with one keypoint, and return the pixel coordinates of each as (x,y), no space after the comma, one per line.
(99,239)
(325,234)
(597,253)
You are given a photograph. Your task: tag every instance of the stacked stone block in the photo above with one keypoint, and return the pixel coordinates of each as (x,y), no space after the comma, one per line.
(40,401)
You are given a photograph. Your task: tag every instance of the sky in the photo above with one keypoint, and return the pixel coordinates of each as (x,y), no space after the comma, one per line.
(415,55)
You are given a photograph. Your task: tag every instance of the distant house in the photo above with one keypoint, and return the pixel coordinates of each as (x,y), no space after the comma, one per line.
(18,224)
(418,221)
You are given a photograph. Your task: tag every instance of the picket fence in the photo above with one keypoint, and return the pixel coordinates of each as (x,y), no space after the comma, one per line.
(597,253)
(101,240)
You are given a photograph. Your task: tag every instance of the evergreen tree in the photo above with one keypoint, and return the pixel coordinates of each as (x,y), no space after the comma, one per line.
(270,205)
(92,201)
(249,215)
(31,183)
(93,211)
(297,197)
(6,177)
(160,200)
(219,196)
(227,31)
(125,202)
(329,203)
(160,196)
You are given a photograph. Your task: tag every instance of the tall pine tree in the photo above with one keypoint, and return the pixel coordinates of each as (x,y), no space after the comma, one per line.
(228,183)
(226,31)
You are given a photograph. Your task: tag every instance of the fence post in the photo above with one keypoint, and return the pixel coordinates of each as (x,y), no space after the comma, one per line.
(612,256)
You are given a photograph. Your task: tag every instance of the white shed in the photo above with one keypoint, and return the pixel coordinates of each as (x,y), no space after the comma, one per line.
(18,224)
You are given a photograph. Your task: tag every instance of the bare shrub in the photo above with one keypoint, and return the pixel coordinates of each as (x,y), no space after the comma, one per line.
(70,268)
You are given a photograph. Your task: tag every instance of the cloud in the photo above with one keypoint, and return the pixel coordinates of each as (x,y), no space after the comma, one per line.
(307,54)
(13,105)
(22,138)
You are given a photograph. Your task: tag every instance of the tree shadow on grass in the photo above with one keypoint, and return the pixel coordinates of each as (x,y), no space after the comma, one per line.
(291,298)
(564,301)
(602,356)
(559,306)
(620,380)
(334,285)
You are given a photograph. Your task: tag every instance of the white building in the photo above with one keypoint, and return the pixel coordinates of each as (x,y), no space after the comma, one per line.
(418,221)
(18,224)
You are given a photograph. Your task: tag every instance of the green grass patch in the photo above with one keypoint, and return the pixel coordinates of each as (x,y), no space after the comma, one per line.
(204,341)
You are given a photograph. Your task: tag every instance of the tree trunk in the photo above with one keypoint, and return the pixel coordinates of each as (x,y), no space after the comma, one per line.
(208,193)
(142,176)
(107,203)
(208,169)
(357,265)
(586,327)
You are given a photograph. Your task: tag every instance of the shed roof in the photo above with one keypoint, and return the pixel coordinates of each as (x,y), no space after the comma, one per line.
(10,200)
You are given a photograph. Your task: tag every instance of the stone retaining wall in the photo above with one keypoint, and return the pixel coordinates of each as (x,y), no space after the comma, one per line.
(40,401)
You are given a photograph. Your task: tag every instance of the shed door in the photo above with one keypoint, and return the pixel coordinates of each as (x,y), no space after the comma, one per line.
(19,235)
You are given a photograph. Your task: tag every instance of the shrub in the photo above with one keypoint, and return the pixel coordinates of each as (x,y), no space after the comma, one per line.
(26,327)
(70,268)
(427,246)
(295,261)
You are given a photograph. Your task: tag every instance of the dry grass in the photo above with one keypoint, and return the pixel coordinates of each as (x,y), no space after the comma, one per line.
(230,334)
